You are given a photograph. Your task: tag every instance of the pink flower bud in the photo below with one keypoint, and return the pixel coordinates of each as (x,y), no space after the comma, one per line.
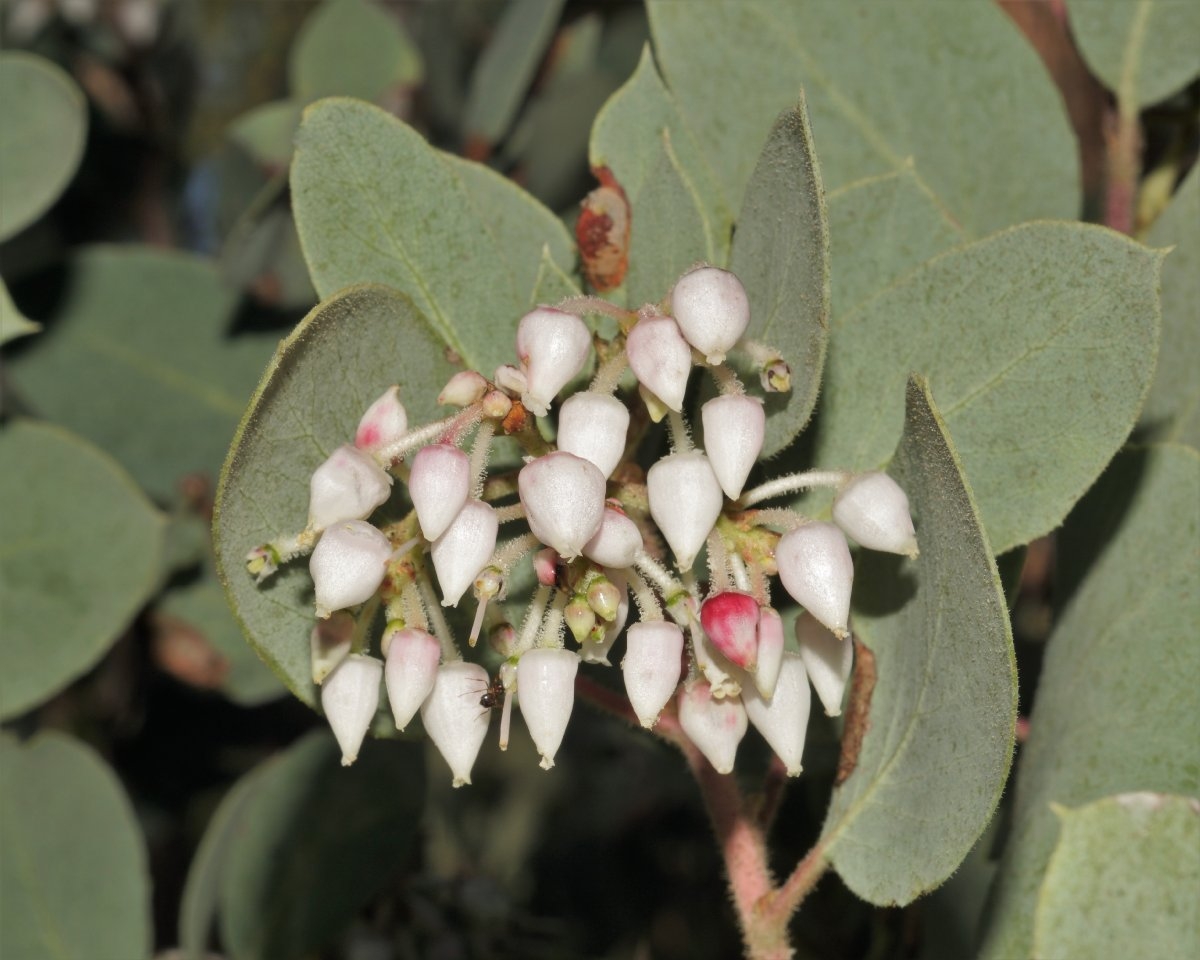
(439,485)
(731,621)
(563,497)
(329,644)
(828,661)
(349,485)
(463,389)
(660,359)
(716,727)
(685,501)
(617,541)
(873,510)
(816,569)
(384,422)
(783,720)
(734,427)
(464,549)
(593,426)
(411,666)
(770,651)
(546,689)
(348,565)
(553,346)
(604,635)
(712,310)
(453,718)
(545,566)
(350,697)
(651,667)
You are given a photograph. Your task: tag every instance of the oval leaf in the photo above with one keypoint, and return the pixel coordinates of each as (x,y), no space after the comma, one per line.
(392,210)
(45,123)
(781,254)
(735,68)
(72,861)
(83,550)
(1041,341)
(138,359)
(342,356)
(314,842)
(1122,881)
(942,717)
(1125,646)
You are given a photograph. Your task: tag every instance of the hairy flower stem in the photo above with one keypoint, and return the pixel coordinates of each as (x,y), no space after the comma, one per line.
(609,375)
(793,483)
(437,619)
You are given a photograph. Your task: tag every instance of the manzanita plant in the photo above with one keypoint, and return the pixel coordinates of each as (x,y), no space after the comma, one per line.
(717,491)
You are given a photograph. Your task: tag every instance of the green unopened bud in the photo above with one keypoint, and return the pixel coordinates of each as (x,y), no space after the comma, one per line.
(262,561)
(776,376)
(580,617)
(604,598)
(503,639)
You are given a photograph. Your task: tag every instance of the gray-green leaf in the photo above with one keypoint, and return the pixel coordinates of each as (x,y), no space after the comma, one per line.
(1123,880)
(375,203)
(942,716)
(138,359)
(342,356)
(781,254)
(957,88)
(1040,342)
(45,123)
(13,323)
(72,860)
(80,551)
(1117,700)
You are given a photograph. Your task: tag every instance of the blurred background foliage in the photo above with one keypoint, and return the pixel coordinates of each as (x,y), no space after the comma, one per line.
(150,264)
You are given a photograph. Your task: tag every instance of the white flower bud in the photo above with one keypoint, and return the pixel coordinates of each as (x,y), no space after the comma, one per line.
(348,565)
(783,720)
(617,541)
(410,668)
(464,549)
(660,359)
(828,661)
(770,651)
(563,497)
(595,648)
(816,569)
(350,697)
(873,510)
(511,379)
(546,689)
(685,501)
(712,310)
(347,486)
(553,346)
(593,426)
(496,404)
(385,421)
(651,667)
(463,389)
(716,727)
(329,644)
(453,718)
(439,485)
(734,427)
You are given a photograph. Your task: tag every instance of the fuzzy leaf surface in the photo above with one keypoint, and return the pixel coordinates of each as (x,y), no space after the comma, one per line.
(45,125)
(942,717)
(73,864)
(81,552)
(1123,649)
(964,94)
(340,358)
(781,255)
(1040,341)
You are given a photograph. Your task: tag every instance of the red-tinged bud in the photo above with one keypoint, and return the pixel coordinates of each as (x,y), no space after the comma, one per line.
(439,485)
(770,651)
(349,485)
(783,720)
(546,689)
(712,310)
(816,569)
(734,428)
(660,359)
(350,697)
(411,666)
(384,422)
(651,667)
(563,497)
(731,621)
(545,566)
(828,661)
(716,727)
(685,501)
(453,718)
(594,426)
(553,346)
(464,549)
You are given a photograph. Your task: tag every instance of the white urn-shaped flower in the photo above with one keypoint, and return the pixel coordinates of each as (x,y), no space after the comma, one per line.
(349,485)
(828,661)
(783,719)
(453,717)
(873,510)
(348,565)
(594,426)
(816,569)
(464,549)
(685,501)
(553,346)
(546,690)
(770,651)
(410,667)
(712,310)
(563,497)
(439,485)
(350,697)
(715,726)
(616,542)
(651,667)
(385,421)
(660,359)
(734,428)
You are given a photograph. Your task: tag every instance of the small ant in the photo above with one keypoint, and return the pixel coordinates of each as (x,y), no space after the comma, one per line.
(493,696)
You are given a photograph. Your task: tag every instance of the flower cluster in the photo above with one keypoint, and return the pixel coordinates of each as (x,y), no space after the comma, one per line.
(601,532)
